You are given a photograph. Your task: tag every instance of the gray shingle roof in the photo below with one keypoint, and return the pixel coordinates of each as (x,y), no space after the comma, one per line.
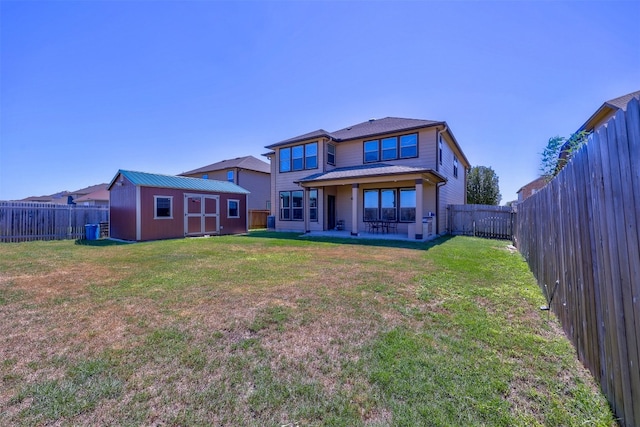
(179,182)
(378,169)
(622,101)
(247,162)
(369,128)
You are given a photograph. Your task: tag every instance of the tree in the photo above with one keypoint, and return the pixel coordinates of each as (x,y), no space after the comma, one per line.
(482,186)
(558,152)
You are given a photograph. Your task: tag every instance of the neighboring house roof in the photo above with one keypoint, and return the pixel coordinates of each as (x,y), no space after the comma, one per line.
(247,162)
(178,182)
(101,195)
(90,189)
(607,109)
(369,170)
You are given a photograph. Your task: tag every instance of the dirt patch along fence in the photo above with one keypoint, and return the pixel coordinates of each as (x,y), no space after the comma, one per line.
(23,221)
(493,222)
(582,232)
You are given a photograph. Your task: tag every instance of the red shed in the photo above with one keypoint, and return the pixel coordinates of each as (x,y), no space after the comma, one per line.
(146,206)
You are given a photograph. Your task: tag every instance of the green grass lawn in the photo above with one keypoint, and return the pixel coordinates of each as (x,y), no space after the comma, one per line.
(272,329)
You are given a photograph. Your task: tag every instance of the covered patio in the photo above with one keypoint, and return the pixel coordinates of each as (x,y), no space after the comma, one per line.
(379,201)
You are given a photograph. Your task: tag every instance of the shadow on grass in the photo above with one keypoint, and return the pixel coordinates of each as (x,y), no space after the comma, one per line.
(404,244)
(101,242)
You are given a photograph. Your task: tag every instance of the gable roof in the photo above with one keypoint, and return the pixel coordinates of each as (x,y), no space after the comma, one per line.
(607,109)
(143,179)
(370,128)
(246,162)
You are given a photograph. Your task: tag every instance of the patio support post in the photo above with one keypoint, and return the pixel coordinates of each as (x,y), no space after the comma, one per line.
(419,203)
(354,209)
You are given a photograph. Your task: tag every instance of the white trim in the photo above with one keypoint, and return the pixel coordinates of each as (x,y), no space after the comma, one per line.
(229,208)
(138,215)
(155,206)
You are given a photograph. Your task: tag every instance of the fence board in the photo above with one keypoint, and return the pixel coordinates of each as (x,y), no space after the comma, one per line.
(494,222)
(22,221)
(582,230)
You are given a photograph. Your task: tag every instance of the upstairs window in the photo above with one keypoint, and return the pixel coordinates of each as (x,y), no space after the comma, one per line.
(297,154)
(331,154)
(230,176)
(440,150)
(311,156)
(409,146)
(371,151)
(299,157)
(285,159)
(391,148)
(455,166)
(205,176)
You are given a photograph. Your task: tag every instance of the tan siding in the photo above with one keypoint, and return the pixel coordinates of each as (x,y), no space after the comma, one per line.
(453,192)
(351,153)
(259,184)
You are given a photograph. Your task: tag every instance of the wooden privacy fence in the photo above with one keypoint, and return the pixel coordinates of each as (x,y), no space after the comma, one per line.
(21,221)
(582,232)
(258,218)
(494,222)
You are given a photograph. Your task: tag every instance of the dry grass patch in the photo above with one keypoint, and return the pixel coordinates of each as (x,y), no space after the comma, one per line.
(273,329)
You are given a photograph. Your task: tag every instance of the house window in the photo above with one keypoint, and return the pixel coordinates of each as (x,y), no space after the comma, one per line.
(163,207)
(392,148)
(291,205)
(285,159)
(380,205)
(409,146)
(440,150)
(299,157)
(370,205)
(230,176)
(205,176)
(233,208)
(297,154)
(331,154)
(313,205)
(388,205)
(455,166)
(407,204)
(371,151)
(389,148)
(311,156)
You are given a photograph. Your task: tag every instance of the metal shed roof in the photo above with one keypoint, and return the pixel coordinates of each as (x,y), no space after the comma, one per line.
(178,182)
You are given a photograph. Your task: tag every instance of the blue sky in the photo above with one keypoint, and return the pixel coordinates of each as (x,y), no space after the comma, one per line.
(90,87)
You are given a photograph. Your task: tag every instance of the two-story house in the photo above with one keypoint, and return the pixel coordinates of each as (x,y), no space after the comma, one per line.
(248,172)
(393,169)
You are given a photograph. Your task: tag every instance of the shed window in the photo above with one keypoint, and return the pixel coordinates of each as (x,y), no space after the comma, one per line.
(163,207)
(233,208)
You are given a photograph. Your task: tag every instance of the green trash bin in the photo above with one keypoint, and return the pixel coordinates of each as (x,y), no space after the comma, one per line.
(92,231)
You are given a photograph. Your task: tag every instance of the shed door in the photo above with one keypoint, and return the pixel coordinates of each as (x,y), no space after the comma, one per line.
(200,214)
